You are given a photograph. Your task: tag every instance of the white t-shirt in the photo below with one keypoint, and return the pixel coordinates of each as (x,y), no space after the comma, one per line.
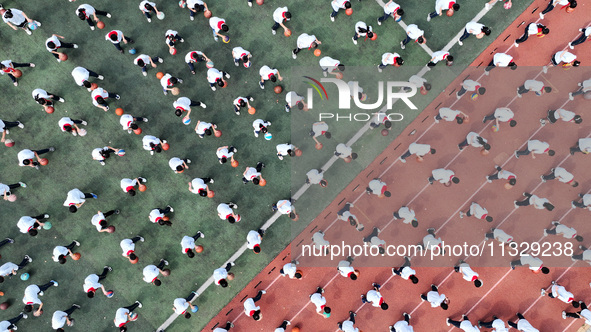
(80,75)
(585,144)
(96,219)
(151,272)
(563,175)
(562,294)
(32,295)
(319,301)
(478,211)
(305,40)
(314,176)
(197,183)
(435,298)
(319,128)
(329,64)
(567,232)
(502,59)
(127,246)
(144,57)
(278,14)
(7,268)
(443,175)
(564,115)
(376,186)
(239,52)
(525,326)
(474,27)
(59,250)
(344,150)
(216,23)
(407,272)
(443,4)
(439,56)
(532,29)
(391,8)
(144,3)
(538,202)
(146,140)
(155,215)
(348,326)
(180,306)
(187,243)
(586,313)
(319,241)
(174,162)
(338,4)
(429,241)
(282,148)
(74,196)
(65,121)
(537,147)
(534,85)
(25,223)
(89,10)
(96,153)
(251,173)
(213,75)
(345,268)
(121,317)
(225,211)
(389,58)
(472,138)
(534,263)
(250,307)
(192,3)
(165,81)
(24,155)
(468,327)
(58,320)
(202,126)
(126,120)
(470,85)
(362,25)
(266,72)
(504,114)
(292,98)
(402,326)
(117,33)
(290,269)
(374,297)
(501,236)
(91,283)
(413,31)
(219,274)
(564,56)
(18,17)
(189,56)
(499,326)
(253,238)
(98,92)
(448,114)
(419,149)
(183,103)
(467,273)
(55,40)
(126,184)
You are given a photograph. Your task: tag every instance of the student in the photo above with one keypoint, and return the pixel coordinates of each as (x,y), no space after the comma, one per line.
(171,37)
(238,53)
(391,9)
(536,265)
(16,18)
(440,56)
(5,190)
(8,67)
(195,57)
(128,247)
(127,121)
(218,25)
(52,44)
(253,174)
(586,32)
(502,174)
(199,186)
(160,217)
(181,305)
(344,152)
(440,5)
(559,292)
(393,59)
(220,275)
(305,41)
(533,85)
(4,125)
(374,297)
(474,28)
(583,313)
(151,272)
(205,128)
(143,60)
(99,95)
(502,60)
(146,7)
(196,6)
(349,324)
(62,318)
(32,293)
(125,315)
(253,240)
(467,273)
(183,104)
(497,324)
(567,57)
(70,126)
(268,74)
(10,324)
(291,271)
(280,15)
(188,243)
(561,114)
(179,165)
(320,129)
(215,76)
(407,215)
(99,220)
(251,309)
(285,149)
(337,5)
(60,252)
(116,37)
(315,176)
(76,198)
(284,206)
(563,3)
(420,150)
(81,76)
(413,33)
(260,126)
(436,299)
(429,242)
(585,202)
(522,324)
(27,157)
(152,144)
(10,269)
(85,11)
(447,114)
(531,29)
(91,282)
(346,270)
(30,225)
(464,324)
(331,66)
(320,302)
(128,185)
(242,102)
(226,212)
(583,145)
(101,154)
(402,325)
(168,81)
(562,175)
(378,188)
(535,147)
(470,86)
(293,99)
(362,30)
(537,202)
(229,324)
(474,140)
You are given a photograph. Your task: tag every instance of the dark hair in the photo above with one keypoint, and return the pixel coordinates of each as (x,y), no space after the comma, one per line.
(486,30)
(132,256)
(223,160)
(420,40)
(100,100)
(60,330)
(190,253)
(549,206)
(513,123)
(387,194)
(545,270)
(51,45)
(173,80)
(459,120)
(245,58)
(512,181)
(131,192)
(273,78)
(327,310)
(148,6)
(158,148)
(68,128)
(257,249)
(369,34)
(242,103)
(444,306)
(220,82)
(82,14)
(579,238)
(141,63)
(547,89)
(573,3)
(179,168)
(231,219)
(33,232)
(545,30)
(264,130)
(298,275)
(73,208)
(103,223)
(384,306)
(157,282)
(62,259)
(224,283)
(455,180)
(387,124)
(486,146)
(489,218)
(578,119)
(477,283)
(575,304)
(341,67)
(414,279)
(178,112)
(551,153)
(287,15)
(207,132)
(256,181)
(187,315)
(86,84)
(256,315)
(26,162)
(400,12)
(327,135)
(354,155)
(28,308)
(291,152)
(202,193)
(449,58)
(123,329)
(90,294)
(347,5)
(576,63)
(133,126)
(1,279)
(456,6)
(225,28)
(113,36)
(512,65)
(433,151)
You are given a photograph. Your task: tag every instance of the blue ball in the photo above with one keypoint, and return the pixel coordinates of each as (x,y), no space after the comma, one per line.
(25,276)
(132,51)
(194,309)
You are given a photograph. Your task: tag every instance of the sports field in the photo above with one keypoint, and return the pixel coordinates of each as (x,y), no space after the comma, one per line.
(71,166)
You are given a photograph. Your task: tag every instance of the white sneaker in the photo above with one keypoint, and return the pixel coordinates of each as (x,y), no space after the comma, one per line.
(203,105)
(461,214)
(215,38)
(402,46)
(249,4)
(487,179)
(379,22)
(571,46)
(149,20)
(379,69)
(213,88)
(487,6)
(192,18)
(515,44)
(75,45)
(236,64)
(545,69)
(354,41)
(109,15)
(58,60)
(332,18)
(145,73)
(21,125)
(570,96)
(101,77)
(460,43)
(541,16)
(129,130)
(256,135)
(402,160)
(429,20)
(293,55)
(274,32)
(28,32)
(91,28)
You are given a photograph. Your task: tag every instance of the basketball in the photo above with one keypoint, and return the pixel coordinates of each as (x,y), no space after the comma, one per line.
(49,109)
(317,52)
(287,33)
(43,161)
(207,14)
(12,198)
(295,329)
(142,187)
(278,89)
(160,15)
(356,272)
(507,5)
(132,51)
(134,261)
(474,96)
(166,272)
(484,152)
(209,64)
(480,35)
(110,294)
(218,133)
(339,76)
(119,111)
(234,163)
(251,110)
(9,143)
(133,316)
(175,91)
(182,4)
(494,128)
(423,91)
(298,152)
(166,218)
(100,24)
(230,276)
(159,75)
(199,249)
(318,146)
(93,86)
(385,132)
(210,193)
(294,216)
(374,37)
(260,2)
(466,119)
(137,131)
(25,276)
(348,160)
(165,146)
(63,56)
(111,229)
(121,153)
(38,313)
(172,51)
(226,39)
(349,11)
(569,10)
(33,25)
(47,225)
(17,73)
(263,182)
(268,136)
(508,186)
(195,308)
(76,256)
(186,120)
(420,159)
(449,13)
(4,306)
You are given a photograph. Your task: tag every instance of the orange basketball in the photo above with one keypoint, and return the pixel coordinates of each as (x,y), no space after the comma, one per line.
(119,111)
(165,146)
(295,329)
(339,75)
(508,186)
(466,119)
(111,229)
(159,75)
(287,33)
(93,86)
(484,152)
(449,13)
(166,272)
(348,160)
(278,89)
(263,182)
(218,133)
(356,272)
(49,109)
(210,193)
(199,249)
(424,91)
(569,10)
(374,37)
(134,261)
(260,2)
(318,146)
(43,161)
(142,187)
(317,52)
(76,256)
(100,24)
(175,91)
(230,276)
(63,56)
(17,73)
(251,110)
(298,153)
(234,163)
(420,159)
(137,131)
(207,14)
(349,11)
(166,218)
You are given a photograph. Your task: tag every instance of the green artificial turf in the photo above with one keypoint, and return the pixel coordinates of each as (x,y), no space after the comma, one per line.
(71,166)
